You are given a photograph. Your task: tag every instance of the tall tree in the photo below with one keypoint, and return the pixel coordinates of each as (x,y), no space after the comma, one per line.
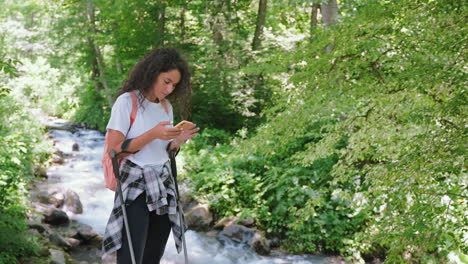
(182,20)
(262,7)
(98,73)
(329,10)
(313,15)
(161,14)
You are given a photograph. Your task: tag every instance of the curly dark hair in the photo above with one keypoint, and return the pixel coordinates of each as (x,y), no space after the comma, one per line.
(147,70)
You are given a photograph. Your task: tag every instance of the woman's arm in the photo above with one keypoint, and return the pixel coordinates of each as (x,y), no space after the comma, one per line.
(116,138)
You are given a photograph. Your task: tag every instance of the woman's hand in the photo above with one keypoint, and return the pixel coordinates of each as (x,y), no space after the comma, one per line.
(184,136)
(165,133)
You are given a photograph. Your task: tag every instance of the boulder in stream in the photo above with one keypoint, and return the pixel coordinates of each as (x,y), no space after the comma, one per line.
(57,199)
(199,217)
(237,233)
(40,171)
(54,198)
(55,216)
(59,241)
(87,235)
(186,196)
(247,221)
(72,202)
(226,221)
(260,244)
(245,235)
(75,147)
(58,157)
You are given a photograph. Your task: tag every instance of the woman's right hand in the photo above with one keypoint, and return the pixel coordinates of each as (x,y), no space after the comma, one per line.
(163,132)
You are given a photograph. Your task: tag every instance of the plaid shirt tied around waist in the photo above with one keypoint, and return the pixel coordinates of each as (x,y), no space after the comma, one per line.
(161,197)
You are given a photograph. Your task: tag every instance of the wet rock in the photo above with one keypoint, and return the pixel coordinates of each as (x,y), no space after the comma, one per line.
(248,221)
(335,260)
(58,156)
(57,199)
(57,159)
(246,235)
(40,171)
(96,241)
(211,233)
(226,221)
(88,236)
(57,257)
(59,124)
(237,233)
(73,242)
(34,232)
(72,202)
(75,147)
(59,241)
(44,252)
(55,216)
(43,197)
(37,226)
(186,196)
(275,242)
(199,217)
(260,244)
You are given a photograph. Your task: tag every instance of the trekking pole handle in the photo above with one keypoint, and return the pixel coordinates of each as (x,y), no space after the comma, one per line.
(115,164)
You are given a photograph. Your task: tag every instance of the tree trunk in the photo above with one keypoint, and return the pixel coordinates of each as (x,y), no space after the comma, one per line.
(217,32)
(257,41)
(98,62)
(182,22)
(313,16)
(313,19)
(329,11)
(161,23)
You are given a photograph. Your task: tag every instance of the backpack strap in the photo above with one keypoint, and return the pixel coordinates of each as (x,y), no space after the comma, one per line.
(132,120)
(134,108)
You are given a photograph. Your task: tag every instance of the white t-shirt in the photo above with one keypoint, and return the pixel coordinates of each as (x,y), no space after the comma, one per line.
(148,115)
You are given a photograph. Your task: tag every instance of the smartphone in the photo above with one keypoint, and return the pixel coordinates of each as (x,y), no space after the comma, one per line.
(185,125)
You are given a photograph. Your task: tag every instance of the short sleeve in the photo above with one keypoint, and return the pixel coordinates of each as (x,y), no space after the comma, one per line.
(120,115)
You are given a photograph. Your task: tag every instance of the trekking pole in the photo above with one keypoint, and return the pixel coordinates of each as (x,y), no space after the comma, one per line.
(181,218)
(115,164)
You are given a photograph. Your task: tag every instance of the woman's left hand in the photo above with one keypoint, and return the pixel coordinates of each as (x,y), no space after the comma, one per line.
(186,135)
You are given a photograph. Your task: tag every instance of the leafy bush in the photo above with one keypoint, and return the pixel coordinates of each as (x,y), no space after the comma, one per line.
(16,244)
(364,154)
(42,86)
(94,110)
(22,144)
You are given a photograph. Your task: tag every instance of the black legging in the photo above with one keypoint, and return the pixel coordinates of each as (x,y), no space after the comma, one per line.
(149,233)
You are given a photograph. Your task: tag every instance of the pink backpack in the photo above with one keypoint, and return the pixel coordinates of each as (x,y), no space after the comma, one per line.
(109,177)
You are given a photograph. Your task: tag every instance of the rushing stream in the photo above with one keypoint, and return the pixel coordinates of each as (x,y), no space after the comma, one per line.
(82,173)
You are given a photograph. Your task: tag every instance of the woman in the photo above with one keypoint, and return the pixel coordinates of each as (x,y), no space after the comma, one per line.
(147,184)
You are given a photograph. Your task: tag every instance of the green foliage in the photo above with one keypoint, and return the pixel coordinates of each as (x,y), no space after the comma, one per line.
(94,109)
(45,87)
(22,144)
(16,244)
(364,152)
